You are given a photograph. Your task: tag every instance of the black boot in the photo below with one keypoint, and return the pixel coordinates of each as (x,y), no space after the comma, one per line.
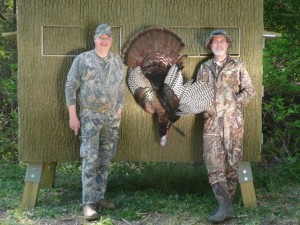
(225,210)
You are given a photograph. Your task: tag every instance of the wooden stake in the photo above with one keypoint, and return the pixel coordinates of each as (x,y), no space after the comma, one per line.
(247,186)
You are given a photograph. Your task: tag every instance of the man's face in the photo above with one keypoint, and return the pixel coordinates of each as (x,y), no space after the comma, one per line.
(103,42)
(219,45)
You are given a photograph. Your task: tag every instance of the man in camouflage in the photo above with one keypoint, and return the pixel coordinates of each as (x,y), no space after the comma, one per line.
(223,121)
(96,83)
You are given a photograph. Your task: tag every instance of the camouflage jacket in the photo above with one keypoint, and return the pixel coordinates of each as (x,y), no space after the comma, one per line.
(96,84)
(232,86)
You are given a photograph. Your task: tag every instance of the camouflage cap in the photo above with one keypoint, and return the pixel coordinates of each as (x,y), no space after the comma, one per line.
(217,33)
(103,29)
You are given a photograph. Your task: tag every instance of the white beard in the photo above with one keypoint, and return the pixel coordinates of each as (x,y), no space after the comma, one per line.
(219,52)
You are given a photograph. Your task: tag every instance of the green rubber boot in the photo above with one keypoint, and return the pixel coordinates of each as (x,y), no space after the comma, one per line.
(225,210)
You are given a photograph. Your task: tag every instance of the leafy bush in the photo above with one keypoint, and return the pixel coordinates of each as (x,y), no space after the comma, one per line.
(281,103)
(281,79)
(9,119)
(8,93)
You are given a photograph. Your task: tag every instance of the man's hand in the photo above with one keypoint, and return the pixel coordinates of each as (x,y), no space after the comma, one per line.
(75,124)
(74,120)
(119,112)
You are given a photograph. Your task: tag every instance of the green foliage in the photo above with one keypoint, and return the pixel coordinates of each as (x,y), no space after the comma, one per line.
(8,90)
(6,6)
(295,165)
(11,180)
(282,16)
(281,80)
(281,102)
(9,117)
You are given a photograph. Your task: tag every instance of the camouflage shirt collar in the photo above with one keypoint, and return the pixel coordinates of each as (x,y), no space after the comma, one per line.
(106,58)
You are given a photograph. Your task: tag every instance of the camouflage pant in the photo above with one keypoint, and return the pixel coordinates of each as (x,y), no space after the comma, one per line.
(222,143)
(99,135)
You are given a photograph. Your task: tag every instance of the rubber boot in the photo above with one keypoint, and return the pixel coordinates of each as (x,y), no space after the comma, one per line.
(232,185)
(225,210)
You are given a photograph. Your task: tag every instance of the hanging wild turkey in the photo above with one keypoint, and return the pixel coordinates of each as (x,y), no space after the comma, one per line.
(155,79)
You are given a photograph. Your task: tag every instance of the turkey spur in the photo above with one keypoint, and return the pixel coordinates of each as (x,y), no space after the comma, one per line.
(155,78)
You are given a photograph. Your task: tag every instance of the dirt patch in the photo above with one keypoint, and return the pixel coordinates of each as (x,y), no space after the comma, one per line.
(146,219)
(3,216)
(153,218)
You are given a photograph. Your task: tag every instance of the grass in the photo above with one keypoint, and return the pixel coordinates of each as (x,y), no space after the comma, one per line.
(151,193)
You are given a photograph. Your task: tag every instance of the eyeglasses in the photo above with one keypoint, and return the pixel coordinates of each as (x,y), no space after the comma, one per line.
(219,42)
(105,38)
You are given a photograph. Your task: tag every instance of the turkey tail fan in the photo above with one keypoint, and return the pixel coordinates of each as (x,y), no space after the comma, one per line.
(152,41)
(195,98)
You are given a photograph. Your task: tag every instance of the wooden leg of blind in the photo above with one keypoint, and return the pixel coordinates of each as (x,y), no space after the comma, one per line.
(248,194)
(38,175)
(247,186)
(48,174)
